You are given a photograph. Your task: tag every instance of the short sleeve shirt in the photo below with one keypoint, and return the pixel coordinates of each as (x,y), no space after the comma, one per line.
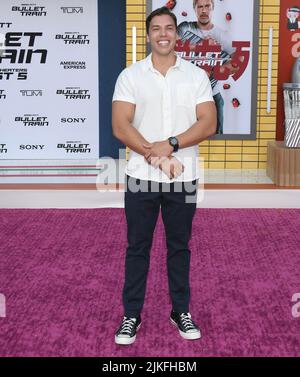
(164,106)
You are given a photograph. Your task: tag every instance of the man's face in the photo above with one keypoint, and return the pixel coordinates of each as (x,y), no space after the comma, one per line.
(204,10)
(292,14)
(162,35)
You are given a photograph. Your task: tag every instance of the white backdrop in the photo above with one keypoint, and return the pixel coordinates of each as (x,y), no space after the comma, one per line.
(67,128)
(240,28)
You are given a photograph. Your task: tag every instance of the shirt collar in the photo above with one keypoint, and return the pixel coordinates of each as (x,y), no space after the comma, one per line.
(149,65)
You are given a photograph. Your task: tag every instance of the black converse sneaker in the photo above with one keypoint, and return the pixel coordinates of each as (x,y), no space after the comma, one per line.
(127,330)
(187,328)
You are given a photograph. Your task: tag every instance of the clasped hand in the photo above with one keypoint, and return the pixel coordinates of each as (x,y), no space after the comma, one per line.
(159,155)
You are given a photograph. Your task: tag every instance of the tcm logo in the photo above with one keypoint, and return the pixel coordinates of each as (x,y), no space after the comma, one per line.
(31,93)
(296,307)
(5,24)
(2,306)
(72,10)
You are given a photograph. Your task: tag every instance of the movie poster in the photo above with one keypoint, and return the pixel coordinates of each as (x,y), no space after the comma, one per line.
(221,37)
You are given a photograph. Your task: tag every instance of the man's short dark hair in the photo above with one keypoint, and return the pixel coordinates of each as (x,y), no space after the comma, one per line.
(159,12)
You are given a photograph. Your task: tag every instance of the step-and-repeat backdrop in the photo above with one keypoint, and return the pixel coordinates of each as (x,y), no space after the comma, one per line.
(49,107)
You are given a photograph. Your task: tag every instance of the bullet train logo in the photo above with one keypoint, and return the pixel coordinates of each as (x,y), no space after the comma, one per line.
(32,120)
(75,147)
(2,94)
(74,93)
(73,65)
(4,25)
(3,148)
(30,10)
(72,10)
(73,38)
(8,73)
(211,57)
(32,93)
(19,48)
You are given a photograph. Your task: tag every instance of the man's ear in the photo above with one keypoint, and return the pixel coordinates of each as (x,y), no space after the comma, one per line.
(148,39)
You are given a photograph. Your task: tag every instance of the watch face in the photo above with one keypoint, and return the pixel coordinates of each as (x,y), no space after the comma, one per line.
(173,141)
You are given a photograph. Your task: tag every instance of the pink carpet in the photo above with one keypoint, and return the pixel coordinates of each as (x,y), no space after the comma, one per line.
(61,272)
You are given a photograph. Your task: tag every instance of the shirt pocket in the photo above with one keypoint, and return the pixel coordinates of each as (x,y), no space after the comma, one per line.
(185,95)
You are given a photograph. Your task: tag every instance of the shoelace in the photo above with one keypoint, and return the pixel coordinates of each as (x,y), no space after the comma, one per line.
(127,325)
(187,322)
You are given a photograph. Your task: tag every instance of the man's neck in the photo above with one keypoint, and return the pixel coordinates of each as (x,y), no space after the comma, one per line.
(205,27)
(163,63)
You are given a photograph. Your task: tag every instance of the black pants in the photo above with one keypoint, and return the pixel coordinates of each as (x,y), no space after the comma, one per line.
(178,205)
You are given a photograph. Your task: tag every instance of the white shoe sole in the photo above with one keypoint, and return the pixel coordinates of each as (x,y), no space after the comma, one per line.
(188,336)
(126,341)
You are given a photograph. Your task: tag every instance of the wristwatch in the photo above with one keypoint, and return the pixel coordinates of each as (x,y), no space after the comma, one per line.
(173,141)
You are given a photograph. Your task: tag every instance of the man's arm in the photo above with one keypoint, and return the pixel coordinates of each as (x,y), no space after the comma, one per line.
(205,126)
(123,130)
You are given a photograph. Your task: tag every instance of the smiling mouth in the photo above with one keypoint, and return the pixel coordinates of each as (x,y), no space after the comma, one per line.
(163,43)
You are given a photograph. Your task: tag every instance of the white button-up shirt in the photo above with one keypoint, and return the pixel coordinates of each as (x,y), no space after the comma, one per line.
(165,106)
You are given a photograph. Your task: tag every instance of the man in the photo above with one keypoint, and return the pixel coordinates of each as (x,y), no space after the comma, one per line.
(202,29)
(293,16)
(162,109)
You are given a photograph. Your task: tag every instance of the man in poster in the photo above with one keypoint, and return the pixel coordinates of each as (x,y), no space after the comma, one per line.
(293,16)
(204,30)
